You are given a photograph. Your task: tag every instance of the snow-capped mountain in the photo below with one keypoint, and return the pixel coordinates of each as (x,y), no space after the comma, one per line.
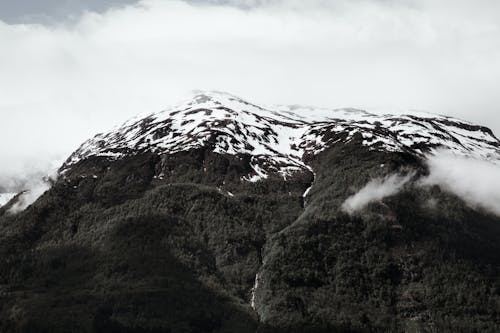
(355,229)
(279,139)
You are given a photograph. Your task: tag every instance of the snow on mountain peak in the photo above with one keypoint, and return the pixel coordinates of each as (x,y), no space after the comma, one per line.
(279,138)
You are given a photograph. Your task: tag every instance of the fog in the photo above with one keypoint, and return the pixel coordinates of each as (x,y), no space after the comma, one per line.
(375,190)
(477,182)
(35,189)
(64,81)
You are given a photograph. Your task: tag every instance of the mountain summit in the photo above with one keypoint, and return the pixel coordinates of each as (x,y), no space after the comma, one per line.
(280,140)
(219,215)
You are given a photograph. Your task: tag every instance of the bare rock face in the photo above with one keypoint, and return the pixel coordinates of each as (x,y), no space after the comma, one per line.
(222,216)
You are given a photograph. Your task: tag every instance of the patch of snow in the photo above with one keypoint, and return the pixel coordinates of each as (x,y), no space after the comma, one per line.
(277,138)
(225,192)
(307,191)
(310,187)
(254,289)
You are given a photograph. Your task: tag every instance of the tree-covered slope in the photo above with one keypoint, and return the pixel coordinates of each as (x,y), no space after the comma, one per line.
(127,252)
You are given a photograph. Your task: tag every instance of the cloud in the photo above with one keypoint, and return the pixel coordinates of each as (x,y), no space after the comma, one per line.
(62,83)
(376,190)
(31,179)
(5,198)
(477,182)
(52,11)
(18,175)
(36,189)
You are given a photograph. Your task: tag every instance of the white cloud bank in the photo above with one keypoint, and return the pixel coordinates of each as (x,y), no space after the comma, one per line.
(376,189)
(36,189)
(477,182)
(61,84)
(6,197)
(32,180)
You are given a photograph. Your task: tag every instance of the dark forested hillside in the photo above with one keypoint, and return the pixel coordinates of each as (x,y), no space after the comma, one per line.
(124,251)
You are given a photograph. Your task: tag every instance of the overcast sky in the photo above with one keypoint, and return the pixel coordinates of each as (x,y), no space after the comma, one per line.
(69,70)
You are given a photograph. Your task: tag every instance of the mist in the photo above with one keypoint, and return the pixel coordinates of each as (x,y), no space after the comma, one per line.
(16,173)
(477,182)
(35,189)
(63,82)
(375,190)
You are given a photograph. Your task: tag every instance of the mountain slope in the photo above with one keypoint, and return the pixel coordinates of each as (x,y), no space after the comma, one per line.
(221,216)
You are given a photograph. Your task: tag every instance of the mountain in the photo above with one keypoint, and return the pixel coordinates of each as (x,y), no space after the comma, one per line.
(283,139)
(219,215)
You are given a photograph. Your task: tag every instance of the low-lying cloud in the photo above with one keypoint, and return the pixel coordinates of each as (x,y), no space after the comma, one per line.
(30,180)
(376,189)
(36,189)
(477,182)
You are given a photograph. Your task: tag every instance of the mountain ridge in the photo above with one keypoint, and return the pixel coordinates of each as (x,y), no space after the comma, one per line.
(280,140)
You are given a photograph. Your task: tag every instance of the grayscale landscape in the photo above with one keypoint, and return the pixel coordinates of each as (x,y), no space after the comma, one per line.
(249,166)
